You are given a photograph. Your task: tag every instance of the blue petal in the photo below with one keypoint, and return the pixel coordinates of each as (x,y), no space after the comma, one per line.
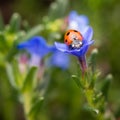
(36,45)
(59,59)
(72,15)
(82,51)
(77,52)
(90,42)
(78,22)
(22,46)
(36,41)
(83,19)
(88,34)
(61,46)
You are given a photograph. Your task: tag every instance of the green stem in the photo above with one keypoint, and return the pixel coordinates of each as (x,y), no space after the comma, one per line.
(7,106)
(27,105)
(89,94)
(83,64)
(100,117)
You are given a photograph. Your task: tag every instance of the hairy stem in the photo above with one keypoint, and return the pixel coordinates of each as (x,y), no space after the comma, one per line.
(83,64)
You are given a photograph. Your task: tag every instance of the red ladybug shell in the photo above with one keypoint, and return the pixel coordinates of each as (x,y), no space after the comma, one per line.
(70,35)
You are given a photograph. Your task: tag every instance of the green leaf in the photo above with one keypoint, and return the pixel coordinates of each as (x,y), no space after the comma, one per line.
(15,23)
(92,81)
(10,74)
(17,74)
(1,23)
(12,52)
(88,108)
(92,60)
(3,43)
(106,85)
(36,107)
(98,97)
(14,75)
(77,81)
(26,25)
(30,80)
(34,31)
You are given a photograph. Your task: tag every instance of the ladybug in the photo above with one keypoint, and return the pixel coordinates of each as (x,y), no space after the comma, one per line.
(73,38)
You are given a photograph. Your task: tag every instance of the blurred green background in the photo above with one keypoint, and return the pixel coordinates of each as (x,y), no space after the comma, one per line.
(63,101)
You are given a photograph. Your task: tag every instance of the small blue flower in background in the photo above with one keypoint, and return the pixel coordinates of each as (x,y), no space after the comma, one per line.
(77,22)
(81,52)
(59,59)
(36,45)
(37,48)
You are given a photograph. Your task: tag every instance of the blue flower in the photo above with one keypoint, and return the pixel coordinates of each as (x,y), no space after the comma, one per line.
(77,22)
(59,59)
(87,41)
(37,48)
(36,45)
(79,52)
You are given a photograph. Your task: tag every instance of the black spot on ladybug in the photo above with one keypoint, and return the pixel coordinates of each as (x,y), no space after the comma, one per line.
(75,31)
(66,40)
(68,33)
